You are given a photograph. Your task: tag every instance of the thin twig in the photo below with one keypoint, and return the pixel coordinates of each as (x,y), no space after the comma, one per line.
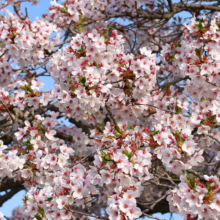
(196,174)
(4,134)
(150,216)
(111,115)
(154,107)
(87,214)
(213,138)
(159,184)
(4,53)
(8,111)
(84,159)
(155,202)
(170,5)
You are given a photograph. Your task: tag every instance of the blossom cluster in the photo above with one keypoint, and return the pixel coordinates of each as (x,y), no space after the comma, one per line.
(92,70)
(125,134)
(123,164)
(15,2)
(84,10)
(25,42)
(196,197)
(9,162)
(196,56)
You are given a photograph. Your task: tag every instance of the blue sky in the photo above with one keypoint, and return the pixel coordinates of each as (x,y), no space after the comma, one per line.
(33,12)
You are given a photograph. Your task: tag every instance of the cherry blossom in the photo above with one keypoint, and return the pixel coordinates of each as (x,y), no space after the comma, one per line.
(131,121)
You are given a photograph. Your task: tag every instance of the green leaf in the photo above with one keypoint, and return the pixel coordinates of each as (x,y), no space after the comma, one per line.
(178,138)
(85,19)
(150,113)
(25,199)
(80,28)
(199,52)
(28,144)
(191,182)
(131,127)
(95,86)
(155,132)
(41,214)
(82,20)
(177,44)
(129,155)
(117,128)
(72,88)
(39,126)
(105,158)
(40,209)
(218,24)
(209,188)
(64,9)
(49,199)
(177,109)
(104,33)
(100,127)
(82,80)
(200,26)
(81,50)
(27,88)
(212,117)
(167,86)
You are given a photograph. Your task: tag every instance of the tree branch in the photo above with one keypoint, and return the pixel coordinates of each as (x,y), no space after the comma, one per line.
(86,214)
